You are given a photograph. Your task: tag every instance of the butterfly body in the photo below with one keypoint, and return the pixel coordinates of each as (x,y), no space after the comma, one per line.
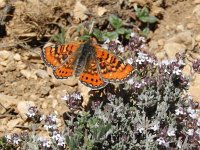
(94,66)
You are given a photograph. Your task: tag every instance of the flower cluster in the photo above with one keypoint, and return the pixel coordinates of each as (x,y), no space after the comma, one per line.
(13,139)
(49,122)
(196,65)
(136,43)
(73,100)
(113,46)
(188,117)
(44,143)
(33,113)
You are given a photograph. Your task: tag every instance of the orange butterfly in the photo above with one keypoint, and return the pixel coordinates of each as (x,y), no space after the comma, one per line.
(94,65)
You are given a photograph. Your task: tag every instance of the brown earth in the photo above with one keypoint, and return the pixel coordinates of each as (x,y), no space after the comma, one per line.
(25,79)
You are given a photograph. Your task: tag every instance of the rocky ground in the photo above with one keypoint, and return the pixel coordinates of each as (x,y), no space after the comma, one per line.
(24,79)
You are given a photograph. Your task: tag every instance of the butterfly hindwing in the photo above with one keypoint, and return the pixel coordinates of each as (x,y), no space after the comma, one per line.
(90,75)
(112,67)
(66,69)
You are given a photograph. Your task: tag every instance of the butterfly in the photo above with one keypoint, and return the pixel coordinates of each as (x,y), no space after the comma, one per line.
(93,65)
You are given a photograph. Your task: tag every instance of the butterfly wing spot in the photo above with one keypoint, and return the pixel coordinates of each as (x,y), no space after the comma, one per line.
(112,68)
(93,81)
(55,56)
(90,75)
(63,72)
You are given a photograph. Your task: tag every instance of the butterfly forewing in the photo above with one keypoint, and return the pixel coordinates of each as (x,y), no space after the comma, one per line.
(55,56)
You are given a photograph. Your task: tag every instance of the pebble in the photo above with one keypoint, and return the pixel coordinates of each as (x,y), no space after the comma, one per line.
(23,107)
(196,2)
(197,38)
(54,103)
(42,73)
(28,74)
(21,65)
(4,55)
(160,42)
(190,25)
(12,123)
(180,27)
(2,3)
(44,105)
(173,48)
(17,57)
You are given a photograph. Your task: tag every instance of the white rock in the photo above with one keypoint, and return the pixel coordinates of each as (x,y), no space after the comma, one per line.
(196,12)
(190,25)
(184,37)
(180,28)
(8,101)
(28,74)
(100,11)
(12,123)
(21,65)
(42,73)
(84,91)
(54,103)
(197,38)
(79,11)
(4,55)
(17,57)
(23,107)
(196,2)
(172,48)
(2,3)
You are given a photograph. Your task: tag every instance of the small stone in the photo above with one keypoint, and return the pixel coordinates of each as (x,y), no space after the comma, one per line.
(80,11)
(11,66)
(100,11)
(54,103)
(4,55)
(21,65)
(28,74)
(196,2)
(42,74)
(23,107)
(185,37)
(194,88)
(161,55)
(197,38)
(2,3)
(8,101)
(173,48)
(190,25)
(180,27)
(12,123)
(17,57)
(44,105)
(45,90)
(161,42)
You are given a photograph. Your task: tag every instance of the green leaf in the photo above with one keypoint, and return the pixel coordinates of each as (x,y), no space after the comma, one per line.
(121,30)
(98,34)
(149,19)
(115,21)
(59,37)
(110,35)
(145,32)
(84,37)
(128,33)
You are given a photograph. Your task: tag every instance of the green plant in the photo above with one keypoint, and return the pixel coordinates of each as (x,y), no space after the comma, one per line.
(117,30)
(143,15)
(59,37)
